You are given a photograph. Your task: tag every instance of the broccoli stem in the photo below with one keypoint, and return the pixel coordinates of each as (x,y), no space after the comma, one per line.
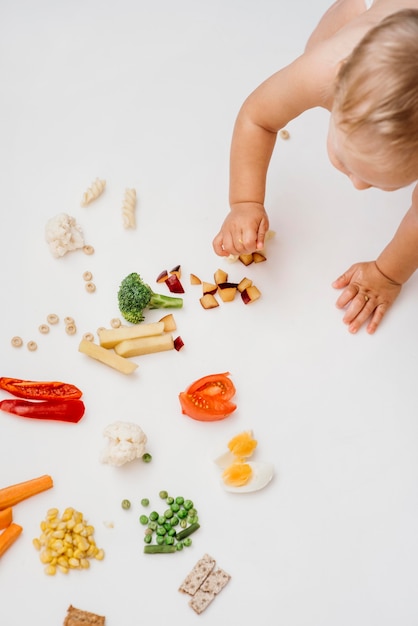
(159,301)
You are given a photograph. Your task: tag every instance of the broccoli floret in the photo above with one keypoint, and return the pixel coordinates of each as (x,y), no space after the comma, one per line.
(134,296)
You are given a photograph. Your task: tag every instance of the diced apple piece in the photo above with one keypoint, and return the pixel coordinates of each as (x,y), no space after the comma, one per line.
(174,284)
(195,280)
(220,276)
(178,343)
(247,259)
(177,271)
(162,276)
(169,323)
(244,284)
(145,345)
(227,291)
(108,357)
(250,294)
(258,257)
(209,288)
(109,337)
(208,301)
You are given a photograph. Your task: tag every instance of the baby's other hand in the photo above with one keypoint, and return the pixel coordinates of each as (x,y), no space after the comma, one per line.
(243,231)
(368,294)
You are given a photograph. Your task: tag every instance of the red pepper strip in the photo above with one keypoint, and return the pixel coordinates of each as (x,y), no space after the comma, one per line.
(35,390)
(59,410)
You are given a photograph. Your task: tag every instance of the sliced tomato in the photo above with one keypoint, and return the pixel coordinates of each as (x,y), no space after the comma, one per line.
(209,398)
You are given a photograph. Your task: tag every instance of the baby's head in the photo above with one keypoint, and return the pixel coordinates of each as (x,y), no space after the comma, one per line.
(375,111)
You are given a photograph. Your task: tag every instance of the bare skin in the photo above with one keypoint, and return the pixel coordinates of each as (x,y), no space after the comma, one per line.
(369,288)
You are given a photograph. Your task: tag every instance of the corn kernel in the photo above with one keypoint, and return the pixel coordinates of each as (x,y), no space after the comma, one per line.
(85,563)
(99,555)
(63,569)
(50,570)
(73,562)
(36,543)
(51,513)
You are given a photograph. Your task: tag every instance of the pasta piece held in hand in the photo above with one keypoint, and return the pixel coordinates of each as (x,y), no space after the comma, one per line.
(128,208)
(93,192)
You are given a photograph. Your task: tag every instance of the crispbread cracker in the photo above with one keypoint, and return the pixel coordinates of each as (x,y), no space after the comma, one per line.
(201,600)
(199,573)
(78,617)
(216,581)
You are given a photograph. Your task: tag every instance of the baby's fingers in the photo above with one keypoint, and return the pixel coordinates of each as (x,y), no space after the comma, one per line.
(342,281)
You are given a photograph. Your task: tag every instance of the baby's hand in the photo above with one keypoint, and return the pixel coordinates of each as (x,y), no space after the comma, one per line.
(367,294)
(243,230)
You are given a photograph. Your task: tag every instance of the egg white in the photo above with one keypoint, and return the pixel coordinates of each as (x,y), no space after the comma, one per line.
(262,474)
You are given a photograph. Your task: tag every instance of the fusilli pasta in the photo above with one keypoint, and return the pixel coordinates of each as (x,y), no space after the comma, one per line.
(93,192)
(128,209)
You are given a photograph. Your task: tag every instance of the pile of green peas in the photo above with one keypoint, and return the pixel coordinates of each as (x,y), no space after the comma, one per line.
(173,527)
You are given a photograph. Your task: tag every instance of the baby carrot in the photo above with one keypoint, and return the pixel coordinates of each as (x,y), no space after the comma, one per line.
(9,496)
(9,536)
(6,517)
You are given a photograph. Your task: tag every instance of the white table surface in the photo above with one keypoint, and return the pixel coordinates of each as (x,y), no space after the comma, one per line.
(145,95)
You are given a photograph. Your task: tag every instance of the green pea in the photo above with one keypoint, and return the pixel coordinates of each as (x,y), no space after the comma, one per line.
(147,458)
(183,523)
(171,532)
(174,521)
(187,542)
(168,513)
(163,494)
(161,520)
(153,516)
(145,502)
(152,525)
(175,507)
(143,519)
(169,540)
(179,500)
(179,545)
(159,539)
(167,525)
(148,538)
(182,514)
(126,504)
(161,531)
(169,500)
(192,512)
(192,519)
(188,504)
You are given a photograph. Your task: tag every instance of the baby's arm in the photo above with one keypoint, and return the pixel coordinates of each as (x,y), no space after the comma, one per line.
(371,288)
(294,89)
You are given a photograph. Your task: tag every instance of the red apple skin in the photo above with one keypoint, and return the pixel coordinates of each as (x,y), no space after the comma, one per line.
(162,276)
(178,343)
(245,297)
(174,284)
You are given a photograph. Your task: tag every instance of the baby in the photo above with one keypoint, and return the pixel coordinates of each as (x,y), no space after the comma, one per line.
(361,64)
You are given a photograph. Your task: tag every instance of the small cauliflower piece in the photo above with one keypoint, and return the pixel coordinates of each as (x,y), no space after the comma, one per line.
(63,234)
(126,442)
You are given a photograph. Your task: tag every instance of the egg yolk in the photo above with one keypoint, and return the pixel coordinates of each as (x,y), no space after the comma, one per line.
(237,474)
(243,445)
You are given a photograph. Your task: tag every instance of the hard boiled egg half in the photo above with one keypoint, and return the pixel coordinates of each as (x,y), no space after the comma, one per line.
(240,475)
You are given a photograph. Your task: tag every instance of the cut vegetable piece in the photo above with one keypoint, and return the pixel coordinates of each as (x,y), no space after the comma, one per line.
(227,291)
(208,301)
(169,323)
(13,494)
(208,399)
(209,288)
(145,345)
(177,271)
(6,517)
(220,276)
(195,280)
(103,355)
(109,337)
(9,536)
(250,294)
(178,343)
(58,410)
(258,257)
(40,390)
(246,259)
(244,284)
(174,284)
(162,277)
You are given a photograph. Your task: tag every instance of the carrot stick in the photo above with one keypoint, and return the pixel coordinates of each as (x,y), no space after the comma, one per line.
(6,517)
(9,536)
(9,496)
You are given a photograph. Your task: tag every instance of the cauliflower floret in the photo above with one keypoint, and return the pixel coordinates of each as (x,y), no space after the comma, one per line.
(126,443)
(63,234)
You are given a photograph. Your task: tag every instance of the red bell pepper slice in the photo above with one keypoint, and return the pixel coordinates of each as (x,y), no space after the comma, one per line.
(40,390)
(58,410)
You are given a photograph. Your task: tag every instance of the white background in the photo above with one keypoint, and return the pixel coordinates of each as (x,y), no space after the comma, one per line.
(144,95)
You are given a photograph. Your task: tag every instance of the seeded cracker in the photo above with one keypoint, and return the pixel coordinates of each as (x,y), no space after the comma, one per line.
(216,581)
(77,617)
(199,573)
(201,600)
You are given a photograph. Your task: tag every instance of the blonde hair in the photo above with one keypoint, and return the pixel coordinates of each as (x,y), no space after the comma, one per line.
(377,90)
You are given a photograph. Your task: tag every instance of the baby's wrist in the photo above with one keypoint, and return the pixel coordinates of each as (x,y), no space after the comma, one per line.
(386,275)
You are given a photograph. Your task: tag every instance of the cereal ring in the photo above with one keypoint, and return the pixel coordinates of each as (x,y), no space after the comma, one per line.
(88,249)
(68,320)
(17,342)
(87,275)
(90,287)
(52,318)
(284,134)
(44,329)
(115,322)
(88,336)
(32,346)
(71,329)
